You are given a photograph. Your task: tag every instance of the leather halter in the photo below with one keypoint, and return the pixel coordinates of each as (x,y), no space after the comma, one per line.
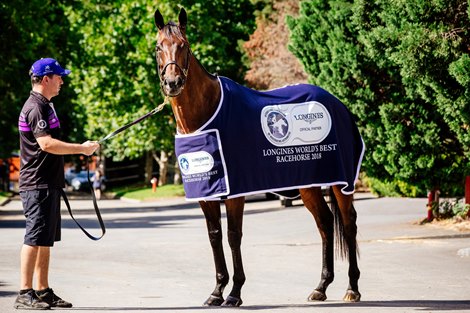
(161,74)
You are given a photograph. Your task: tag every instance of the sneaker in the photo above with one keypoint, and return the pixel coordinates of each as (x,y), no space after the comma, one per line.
(47,295)
(29,300)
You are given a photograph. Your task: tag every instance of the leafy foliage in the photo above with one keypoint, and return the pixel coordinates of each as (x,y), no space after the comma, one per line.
(118,78)
(448,209)
(216,32)
(30,30)
(402,68)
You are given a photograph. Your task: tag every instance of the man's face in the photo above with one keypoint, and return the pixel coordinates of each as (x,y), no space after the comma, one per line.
(53,84)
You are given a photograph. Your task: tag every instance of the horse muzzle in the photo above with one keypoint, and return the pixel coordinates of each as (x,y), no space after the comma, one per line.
(172,87)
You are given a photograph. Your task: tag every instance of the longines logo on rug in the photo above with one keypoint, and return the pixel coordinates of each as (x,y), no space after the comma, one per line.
(295,124)
(195,162)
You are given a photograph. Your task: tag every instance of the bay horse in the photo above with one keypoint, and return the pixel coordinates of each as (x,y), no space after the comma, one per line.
(194,96)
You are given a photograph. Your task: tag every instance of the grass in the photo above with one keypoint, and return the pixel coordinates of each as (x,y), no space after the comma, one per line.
(4,196)
(136,192)
(145,193)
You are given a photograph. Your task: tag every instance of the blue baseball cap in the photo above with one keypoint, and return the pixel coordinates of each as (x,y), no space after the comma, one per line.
(47,66)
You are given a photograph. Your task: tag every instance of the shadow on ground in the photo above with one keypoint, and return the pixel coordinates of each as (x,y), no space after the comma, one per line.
(424,305)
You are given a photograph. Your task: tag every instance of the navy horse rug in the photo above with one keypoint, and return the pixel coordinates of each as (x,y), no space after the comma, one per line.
(293,137)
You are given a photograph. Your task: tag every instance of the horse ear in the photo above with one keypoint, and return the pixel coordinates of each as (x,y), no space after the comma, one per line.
(159,20)
(183,19)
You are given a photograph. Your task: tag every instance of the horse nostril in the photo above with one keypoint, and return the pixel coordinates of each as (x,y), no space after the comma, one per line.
(179,81)
(174,83)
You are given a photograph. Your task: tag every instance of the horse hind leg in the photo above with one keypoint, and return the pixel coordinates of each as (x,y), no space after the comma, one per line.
(346,230)
(211,210)
(316,204)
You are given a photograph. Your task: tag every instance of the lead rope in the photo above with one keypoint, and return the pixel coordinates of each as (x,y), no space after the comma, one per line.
(143,117)
(95,204)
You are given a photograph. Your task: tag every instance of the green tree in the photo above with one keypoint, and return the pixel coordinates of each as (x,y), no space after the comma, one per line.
(216,32)
(117,76)
(30,30)
(326,43)
(402,69)
(428,47)
(118,81)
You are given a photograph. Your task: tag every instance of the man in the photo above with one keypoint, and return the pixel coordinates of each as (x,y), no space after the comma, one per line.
(41,182)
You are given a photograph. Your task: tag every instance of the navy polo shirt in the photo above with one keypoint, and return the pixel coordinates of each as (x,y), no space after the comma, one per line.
(39,169)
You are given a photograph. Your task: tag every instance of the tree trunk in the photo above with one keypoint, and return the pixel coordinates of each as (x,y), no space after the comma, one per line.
(467,193)
(148,166)
(177,176)
(163,166)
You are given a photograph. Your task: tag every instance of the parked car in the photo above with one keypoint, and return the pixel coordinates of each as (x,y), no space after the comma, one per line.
(70,174)
(80,181)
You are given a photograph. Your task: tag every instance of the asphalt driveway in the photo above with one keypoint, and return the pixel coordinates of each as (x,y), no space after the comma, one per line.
(156,257)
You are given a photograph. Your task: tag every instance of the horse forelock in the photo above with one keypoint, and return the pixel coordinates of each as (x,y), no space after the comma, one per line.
(173,30)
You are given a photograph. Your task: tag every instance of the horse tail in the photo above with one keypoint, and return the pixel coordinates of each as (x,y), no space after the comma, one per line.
(342,247)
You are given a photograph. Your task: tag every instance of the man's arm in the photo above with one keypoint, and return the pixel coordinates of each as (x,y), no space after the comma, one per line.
(55,146)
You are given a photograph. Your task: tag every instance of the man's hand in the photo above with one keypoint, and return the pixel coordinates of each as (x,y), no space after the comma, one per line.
(89,147)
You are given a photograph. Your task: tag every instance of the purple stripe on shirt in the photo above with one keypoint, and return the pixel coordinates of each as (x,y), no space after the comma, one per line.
(22,124)
(23,127)
(54,125)
(53,121)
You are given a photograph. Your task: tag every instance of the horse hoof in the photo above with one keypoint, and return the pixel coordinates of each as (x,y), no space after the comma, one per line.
(214,301)
(352,296)
(232,302)
(317,295)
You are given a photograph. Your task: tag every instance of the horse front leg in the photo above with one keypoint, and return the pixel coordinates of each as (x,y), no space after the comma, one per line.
(316,204)
(235,209)
(211,211)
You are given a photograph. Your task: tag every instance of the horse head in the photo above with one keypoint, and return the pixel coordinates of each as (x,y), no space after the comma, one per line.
(172,53)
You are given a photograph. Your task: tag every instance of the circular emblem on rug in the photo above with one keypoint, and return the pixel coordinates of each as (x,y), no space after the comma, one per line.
(276,127)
